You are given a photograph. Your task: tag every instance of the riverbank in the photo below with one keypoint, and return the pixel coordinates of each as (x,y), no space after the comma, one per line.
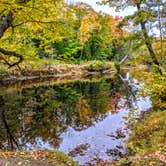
(47,70)
(44,71)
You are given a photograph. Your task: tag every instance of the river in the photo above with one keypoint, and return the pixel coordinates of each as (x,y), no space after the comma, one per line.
(87,119)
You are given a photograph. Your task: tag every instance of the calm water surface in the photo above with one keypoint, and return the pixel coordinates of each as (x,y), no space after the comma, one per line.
(87,120)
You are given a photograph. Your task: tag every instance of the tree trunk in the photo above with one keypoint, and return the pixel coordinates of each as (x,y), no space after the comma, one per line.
(146,38)
(9,54)
(5,23)
(160,29)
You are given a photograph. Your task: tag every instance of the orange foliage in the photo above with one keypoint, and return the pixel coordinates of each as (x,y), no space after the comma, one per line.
(93,21)
(84,111)
(88,24)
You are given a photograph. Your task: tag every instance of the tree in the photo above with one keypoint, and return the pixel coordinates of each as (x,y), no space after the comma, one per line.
(22,19)
(97,34)
(88,25)
(143,16)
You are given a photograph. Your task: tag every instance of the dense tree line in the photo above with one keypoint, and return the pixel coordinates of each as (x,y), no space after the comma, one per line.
(75,32)
(55,30)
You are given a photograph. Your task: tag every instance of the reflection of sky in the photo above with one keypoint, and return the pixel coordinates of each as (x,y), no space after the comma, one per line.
(105,9)
(98,136)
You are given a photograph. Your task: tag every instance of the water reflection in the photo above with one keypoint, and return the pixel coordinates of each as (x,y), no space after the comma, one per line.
(77,118)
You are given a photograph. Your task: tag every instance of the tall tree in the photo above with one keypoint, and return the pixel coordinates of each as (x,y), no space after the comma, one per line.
(142,17)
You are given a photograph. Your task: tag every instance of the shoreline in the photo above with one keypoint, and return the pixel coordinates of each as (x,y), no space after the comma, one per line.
(71,72)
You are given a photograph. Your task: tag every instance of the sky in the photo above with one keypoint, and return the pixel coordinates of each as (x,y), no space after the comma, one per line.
(105,9)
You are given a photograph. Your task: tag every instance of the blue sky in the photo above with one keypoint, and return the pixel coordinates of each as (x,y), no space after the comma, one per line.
(105,9)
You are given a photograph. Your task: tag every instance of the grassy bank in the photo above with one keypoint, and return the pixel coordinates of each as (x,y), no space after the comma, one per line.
(34,158)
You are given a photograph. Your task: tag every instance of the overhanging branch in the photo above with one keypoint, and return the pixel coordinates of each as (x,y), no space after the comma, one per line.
(10,54)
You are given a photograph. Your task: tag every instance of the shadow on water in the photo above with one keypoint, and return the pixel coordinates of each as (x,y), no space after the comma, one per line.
(86,120)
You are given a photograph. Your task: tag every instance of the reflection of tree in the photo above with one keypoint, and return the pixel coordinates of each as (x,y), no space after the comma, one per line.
(122,93)
(47,111)
(9,136)
(96,95)
(114,105)
(85,114)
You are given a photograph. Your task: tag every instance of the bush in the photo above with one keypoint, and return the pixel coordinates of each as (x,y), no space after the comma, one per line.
(99,66)
(157,88)
(3,70)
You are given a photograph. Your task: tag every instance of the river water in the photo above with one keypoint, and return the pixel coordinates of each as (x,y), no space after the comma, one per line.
(86,119)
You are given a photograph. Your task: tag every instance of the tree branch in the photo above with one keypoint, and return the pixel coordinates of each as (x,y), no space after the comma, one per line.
(124,59)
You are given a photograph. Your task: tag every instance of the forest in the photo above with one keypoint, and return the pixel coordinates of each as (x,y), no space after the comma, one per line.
(64,66)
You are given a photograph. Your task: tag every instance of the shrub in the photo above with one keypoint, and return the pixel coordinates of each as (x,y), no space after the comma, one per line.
(99,66)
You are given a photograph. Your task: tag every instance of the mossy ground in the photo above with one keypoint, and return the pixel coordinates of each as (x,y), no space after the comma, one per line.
(147,144)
